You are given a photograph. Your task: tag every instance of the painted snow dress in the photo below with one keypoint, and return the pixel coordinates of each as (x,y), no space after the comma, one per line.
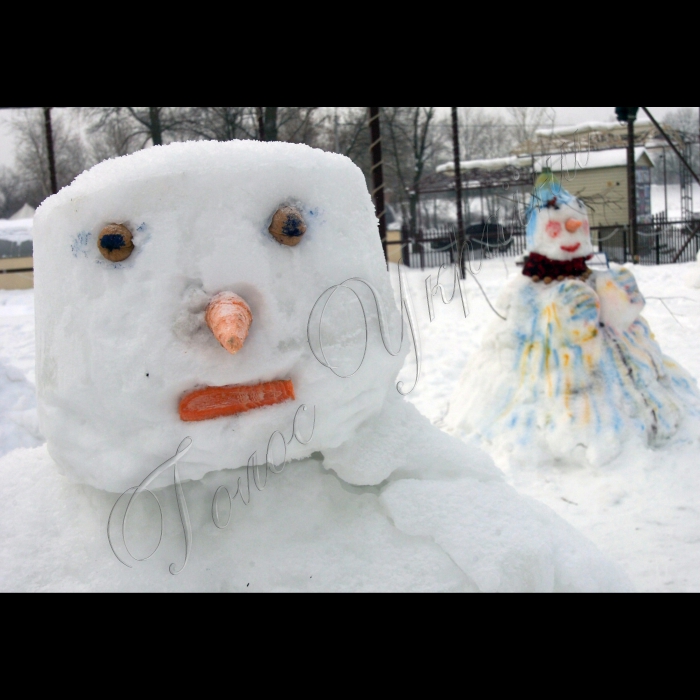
(574,369)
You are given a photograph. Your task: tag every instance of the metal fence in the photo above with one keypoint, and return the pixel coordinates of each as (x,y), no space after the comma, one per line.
(436,246)
(660,242)
(10,249)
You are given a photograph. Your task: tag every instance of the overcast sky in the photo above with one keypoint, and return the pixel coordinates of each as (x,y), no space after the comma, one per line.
(565,116)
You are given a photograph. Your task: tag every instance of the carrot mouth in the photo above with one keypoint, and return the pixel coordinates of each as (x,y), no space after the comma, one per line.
(571,248)
(217,402)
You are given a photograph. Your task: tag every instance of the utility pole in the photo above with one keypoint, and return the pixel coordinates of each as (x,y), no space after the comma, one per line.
(378,174)
(156,126)
(458,190)
(629,115)
(336,130)
(50,149)
(261,123)
(632,183)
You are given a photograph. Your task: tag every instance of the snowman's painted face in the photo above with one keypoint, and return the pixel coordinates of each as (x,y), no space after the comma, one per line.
(120,344)
(562,230)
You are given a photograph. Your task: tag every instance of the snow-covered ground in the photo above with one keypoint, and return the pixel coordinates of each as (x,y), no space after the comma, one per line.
(16,231)
(673,193)
(642,510)
(18,422)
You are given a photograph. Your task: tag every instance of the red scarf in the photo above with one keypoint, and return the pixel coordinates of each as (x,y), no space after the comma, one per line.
(537,265)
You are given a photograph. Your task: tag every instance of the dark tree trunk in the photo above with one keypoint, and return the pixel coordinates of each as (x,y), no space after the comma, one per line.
(156,128)
(458,189)
(50,150)
(378,175)
(413,204)
(261,123)
(271,123)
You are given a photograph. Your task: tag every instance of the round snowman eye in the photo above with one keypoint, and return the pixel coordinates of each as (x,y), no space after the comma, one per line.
(116,242)
(554,229)
(288,226)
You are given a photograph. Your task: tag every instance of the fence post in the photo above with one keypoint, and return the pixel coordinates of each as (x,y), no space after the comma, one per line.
(405,245)
(658,242)
(421,249)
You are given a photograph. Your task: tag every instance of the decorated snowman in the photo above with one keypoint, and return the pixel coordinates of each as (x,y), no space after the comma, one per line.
(574,369)
(183,299)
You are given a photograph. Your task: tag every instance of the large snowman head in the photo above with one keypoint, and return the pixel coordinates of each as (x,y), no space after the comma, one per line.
(557,222)
(173,292)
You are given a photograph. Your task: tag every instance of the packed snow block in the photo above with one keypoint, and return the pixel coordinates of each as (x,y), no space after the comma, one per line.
(307,532)
(573,371)
(119,344)
(373,497)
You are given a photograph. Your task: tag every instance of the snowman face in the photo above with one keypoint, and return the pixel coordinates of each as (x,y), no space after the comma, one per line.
(121,344)
(562,230)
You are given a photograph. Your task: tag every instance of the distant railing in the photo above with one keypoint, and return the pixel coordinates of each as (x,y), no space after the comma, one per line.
(11,249)
(659,242)
(436,246)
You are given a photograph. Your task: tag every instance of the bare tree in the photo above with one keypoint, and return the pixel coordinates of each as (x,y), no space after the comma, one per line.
(526,120)
(345,130)
(483,134)
(140,125)
(12,194)
(411,144)
(111,137)
(684,122)
(31,158)
(221,123)
(292,124)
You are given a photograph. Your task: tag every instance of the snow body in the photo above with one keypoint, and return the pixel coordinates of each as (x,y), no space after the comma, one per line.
(386,501)
(574,369)
(118,345)
(694,275)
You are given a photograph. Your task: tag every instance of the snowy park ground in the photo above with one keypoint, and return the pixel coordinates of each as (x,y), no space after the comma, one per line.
(642,510)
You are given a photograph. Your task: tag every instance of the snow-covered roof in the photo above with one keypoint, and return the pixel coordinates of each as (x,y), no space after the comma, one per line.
(26,212)
(595,160)
(491,164)
(16,231)
(611,158)
(585,128)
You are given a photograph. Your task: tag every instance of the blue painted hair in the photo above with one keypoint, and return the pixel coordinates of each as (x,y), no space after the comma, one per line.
(548,193)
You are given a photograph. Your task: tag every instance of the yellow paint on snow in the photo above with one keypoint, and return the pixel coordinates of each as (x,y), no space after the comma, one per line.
(586,409)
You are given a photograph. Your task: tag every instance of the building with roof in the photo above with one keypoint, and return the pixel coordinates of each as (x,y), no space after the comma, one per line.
(591,162)
(599,178)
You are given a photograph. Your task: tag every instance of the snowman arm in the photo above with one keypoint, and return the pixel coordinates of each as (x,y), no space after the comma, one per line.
(402,443)
(621,301)
(579,301)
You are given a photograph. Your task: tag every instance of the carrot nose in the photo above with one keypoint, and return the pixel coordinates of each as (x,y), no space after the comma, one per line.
(229,319)
(573,225)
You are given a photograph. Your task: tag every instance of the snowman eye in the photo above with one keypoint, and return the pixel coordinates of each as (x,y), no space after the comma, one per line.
(115,242)
(554,229)
(288,226)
